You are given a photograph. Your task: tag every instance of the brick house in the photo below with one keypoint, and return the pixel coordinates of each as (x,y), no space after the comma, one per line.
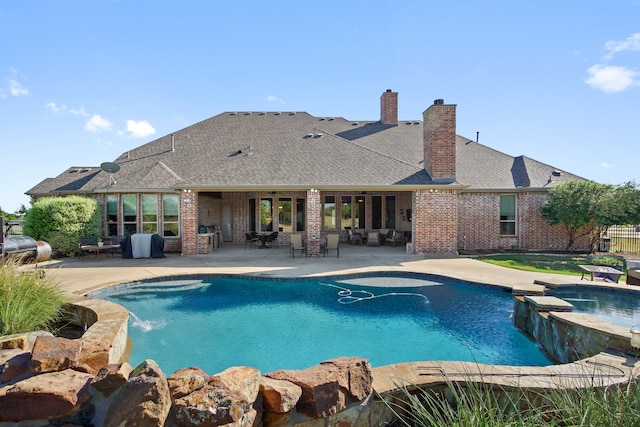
(295,173)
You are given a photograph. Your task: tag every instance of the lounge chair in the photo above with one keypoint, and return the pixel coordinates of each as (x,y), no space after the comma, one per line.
(633,272)
(333,243)
(297,245)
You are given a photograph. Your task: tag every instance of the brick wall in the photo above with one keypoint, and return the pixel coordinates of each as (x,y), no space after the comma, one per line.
(435,225)
(189,218)
(439,140)
(479,224)
(314,212)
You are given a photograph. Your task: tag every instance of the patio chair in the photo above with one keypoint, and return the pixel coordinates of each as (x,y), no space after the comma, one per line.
(373,239)
(297,245)
(633,272)
(354,237)
(396,237)
(86,241)
(250,240)
(272,239)
(333,243)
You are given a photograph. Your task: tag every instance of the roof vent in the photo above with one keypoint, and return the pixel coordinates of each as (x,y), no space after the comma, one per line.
(309,135)
(277,113)
(263,113)
(556,173)
(318,135)
(355,124)
(248,113)
(321,119)
(233,113)
(293,113)
(330,118)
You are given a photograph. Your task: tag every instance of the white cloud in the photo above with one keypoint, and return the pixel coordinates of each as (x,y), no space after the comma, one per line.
(97,123)
(55,108)
(274,99)
(79,112)
(605,165)
(16,89)
(140,129)
(630,44)
(611,78)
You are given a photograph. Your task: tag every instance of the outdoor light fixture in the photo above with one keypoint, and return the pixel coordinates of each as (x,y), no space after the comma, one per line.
(635,337)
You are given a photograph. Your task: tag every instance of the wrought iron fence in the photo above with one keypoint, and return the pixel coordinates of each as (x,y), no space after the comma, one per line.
(621,238)
(12,228)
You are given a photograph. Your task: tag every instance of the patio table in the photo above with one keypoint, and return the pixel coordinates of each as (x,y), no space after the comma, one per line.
(601,272)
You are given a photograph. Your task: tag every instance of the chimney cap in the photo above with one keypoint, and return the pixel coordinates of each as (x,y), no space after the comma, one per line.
(388,90)
(439,101)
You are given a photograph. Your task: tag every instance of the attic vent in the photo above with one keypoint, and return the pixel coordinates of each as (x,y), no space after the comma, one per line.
(248,113)
(355,124)
(318,135)
(293,113)
(309,135)
(277,114)
(330,119)
(408,123)
(263,113)
(233,113)
(556,173)
(321,119)
(74,171)
(416,123)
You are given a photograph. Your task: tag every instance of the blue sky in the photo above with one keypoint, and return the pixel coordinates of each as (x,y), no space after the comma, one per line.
(82,81)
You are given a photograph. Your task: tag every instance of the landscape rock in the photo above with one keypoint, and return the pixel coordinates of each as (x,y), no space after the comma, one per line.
(186,380)
(52,354)
(13,364)
(111,377)
(213,405)
(144,401)
(45,396)
(243,379)
(278,395)
(331,386)
(22,341)
(94,353)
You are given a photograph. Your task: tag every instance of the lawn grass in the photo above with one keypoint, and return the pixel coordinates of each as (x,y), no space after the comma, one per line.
(542,263)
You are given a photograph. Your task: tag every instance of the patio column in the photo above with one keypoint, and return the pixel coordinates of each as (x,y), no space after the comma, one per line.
(435,223)
(189,222)
(314,211)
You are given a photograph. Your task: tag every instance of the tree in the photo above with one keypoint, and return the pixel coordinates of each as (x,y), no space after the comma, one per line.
(587,208)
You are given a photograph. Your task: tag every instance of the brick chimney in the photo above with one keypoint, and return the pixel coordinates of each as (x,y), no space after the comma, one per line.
(439,141)
(389,108)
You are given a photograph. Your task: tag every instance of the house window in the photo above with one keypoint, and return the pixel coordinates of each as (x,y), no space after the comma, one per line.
(383,212)
(376,212)
(301,214)
(360,219)
(112,215)
(170,218)
(390,210)
(149,214)
(346,213)
(329,213)
(129,214)
(284,215)
(252,215)
(266,215)
(508,215)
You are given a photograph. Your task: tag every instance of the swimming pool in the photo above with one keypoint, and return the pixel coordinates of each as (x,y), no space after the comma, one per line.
(615,306)
(218,322)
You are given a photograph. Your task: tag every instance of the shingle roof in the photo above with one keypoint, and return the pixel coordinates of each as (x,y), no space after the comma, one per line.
(246,150)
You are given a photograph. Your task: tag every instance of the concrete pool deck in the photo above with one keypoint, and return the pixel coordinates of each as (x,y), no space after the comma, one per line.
(80,276)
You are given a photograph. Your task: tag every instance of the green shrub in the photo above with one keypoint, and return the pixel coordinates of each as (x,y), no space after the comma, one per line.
(607,260)
(28,300)
(60,221)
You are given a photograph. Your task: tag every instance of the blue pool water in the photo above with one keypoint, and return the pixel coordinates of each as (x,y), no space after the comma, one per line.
(615,306)
(218,322)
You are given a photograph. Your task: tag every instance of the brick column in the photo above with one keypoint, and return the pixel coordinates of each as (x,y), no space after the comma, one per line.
(435,221)
(314,212)
(189,222)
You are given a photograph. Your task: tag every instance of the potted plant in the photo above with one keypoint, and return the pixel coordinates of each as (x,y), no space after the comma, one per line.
(100,243)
